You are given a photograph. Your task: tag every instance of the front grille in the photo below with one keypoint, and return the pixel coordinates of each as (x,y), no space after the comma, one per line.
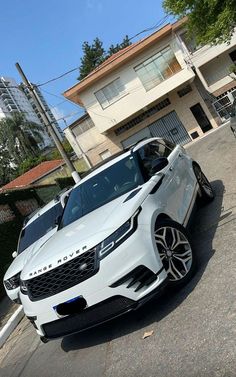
(90,317)
(63,277)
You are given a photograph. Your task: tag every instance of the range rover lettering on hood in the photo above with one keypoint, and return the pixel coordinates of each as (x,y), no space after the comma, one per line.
(59,261)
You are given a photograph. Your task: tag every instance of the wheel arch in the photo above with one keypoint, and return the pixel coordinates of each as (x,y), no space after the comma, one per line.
(162,216)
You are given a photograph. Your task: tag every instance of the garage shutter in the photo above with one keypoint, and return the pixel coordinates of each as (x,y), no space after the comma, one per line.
(143,134)
(170,127)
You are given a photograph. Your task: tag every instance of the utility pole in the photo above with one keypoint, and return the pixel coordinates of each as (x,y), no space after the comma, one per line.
(48,124)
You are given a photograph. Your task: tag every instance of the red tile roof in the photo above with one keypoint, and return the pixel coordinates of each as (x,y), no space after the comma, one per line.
(33,175)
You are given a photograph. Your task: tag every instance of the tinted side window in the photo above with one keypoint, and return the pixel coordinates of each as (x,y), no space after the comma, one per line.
(152,151)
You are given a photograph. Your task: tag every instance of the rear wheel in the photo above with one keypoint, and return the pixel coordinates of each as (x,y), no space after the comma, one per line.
(176,251)
(206,190)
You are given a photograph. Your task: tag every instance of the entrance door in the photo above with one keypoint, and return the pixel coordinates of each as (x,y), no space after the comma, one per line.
(171,128)
(201,118)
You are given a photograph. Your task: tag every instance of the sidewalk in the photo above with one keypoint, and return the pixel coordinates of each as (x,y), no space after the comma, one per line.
(7,308)
(10,315)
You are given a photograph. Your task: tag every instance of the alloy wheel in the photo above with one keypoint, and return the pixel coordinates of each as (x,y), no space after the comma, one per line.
(175,252)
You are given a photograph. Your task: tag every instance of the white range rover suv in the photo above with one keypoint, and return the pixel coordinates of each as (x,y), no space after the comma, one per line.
(122,236)
(36,230)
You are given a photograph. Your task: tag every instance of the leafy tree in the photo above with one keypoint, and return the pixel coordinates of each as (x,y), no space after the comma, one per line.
(18,141)
(113,49)
(20,137)
(28,164)
(55,154)
(209,21)
(7,169)
(95,54)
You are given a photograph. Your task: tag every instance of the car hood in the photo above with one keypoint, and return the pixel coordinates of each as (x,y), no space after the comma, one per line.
(20,261)
(86,232)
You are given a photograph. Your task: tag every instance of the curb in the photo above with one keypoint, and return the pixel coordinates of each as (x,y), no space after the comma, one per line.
(11,325)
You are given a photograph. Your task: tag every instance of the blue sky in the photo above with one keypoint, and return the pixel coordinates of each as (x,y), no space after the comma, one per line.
(46,37)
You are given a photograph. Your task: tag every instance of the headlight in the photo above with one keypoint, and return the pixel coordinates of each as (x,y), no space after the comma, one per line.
(119,236)
(13,282)
(23,287)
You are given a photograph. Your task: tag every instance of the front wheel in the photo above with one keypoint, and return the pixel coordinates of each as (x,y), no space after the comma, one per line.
(206,191)
(176,251)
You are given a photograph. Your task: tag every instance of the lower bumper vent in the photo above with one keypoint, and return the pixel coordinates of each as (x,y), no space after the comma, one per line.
(141,275)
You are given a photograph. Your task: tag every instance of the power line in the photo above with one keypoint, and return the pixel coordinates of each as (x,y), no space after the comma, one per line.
(157,25)
(58,77)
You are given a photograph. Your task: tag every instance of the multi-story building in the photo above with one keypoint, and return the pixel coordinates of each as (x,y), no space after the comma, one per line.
(85,138)
(151,88)
(14,99)
(52,118)
(212,67)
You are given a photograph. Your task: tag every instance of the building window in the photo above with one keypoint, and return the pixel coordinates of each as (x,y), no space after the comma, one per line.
(105,154)
(110,93)
(158,68)
(182,92)
(82,127)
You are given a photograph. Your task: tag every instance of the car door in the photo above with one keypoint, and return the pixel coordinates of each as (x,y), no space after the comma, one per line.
(176,176)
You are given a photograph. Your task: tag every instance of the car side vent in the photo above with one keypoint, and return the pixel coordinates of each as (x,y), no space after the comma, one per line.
(139,277)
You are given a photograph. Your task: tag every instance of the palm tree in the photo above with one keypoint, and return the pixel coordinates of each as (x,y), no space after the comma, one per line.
(20,137)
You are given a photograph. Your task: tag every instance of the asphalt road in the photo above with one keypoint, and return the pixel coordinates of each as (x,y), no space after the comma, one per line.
(194,329)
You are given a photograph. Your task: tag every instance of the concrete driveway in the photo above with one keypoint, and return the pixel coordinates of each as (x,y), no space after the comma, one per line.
(194,329)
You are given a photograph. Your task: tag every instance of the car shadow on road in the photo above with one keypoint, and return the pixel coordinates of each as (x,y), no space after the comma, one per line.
(202,230)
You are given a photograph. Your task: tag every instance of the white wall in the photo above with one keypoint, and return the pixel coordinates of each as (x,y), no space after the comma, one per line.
(211,62)
(137,98)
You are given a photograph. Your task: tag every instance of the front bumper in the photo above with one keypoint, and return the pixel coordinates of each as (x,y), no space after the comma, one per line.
(96,315)
(106,289)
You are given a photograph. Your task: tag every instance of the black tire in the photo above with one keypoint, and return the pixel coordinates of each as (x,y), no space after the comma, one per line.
(206,194)
(176,252)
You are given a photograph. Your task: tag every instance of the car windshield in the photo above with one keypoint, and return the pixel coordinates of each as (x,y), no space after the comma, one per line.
(39,227)
(109,184)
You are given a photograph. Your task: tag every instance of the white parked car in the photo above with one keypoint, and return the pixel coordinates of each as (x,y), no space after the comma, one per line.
(37,229)
(122,236)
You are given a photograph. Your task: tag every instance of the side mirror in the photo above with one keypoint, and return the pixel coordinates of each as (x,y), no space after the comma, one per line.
(14,254)
(64,198)
(159,164)
(58,220)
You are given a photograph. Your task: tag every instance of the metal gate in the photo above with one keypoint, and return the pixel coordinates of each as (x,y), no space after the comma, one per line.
(223,105)
(170,127)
